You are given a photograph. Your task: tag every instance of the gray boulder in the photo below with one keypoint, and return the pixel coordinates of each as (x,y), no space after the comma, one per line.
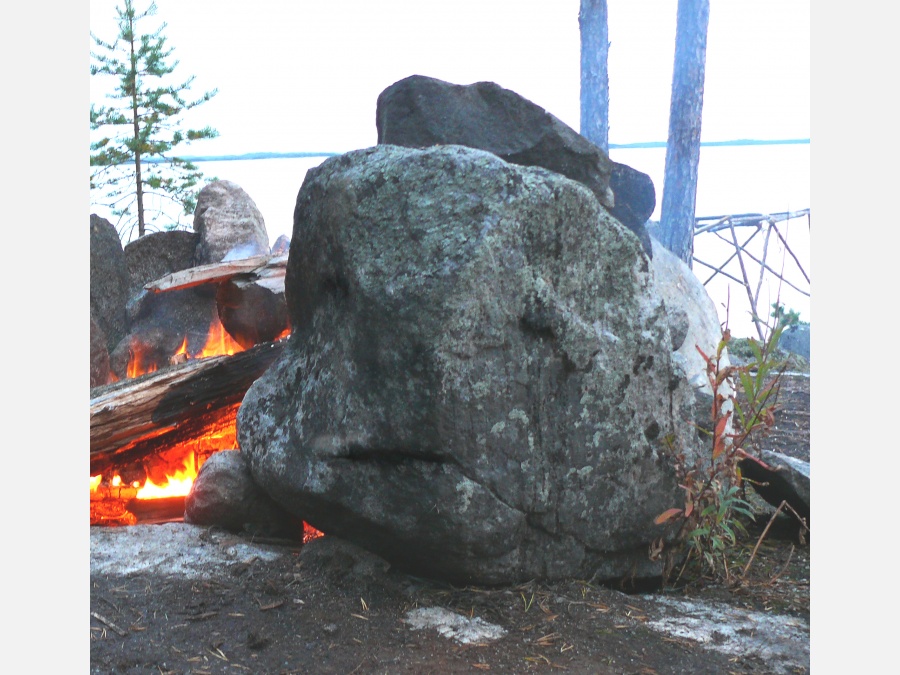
(419,112)
(157,254)
(479,380)
(229,224)
(109,281)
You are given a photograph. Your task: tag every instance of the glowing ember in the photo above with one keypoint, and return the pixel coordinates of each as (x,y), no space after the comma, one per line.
(177,485)
(95,482)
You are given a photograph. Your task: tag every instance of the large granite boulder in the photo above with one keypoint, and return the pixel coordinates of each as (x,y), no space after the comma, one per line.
(229,224)
(109,281)
(479,386)
(419,112)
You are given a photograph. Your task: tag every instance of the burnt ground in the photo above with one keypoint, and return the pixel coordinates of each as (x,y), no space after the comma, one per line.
(321,609)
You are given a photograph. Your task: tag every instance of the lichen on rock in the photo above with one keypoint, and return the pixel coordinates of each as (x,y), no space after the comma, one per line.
(462,321)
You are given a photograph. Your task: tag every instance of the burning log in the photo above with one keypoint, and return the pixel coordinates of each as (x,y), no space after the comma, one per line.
(152,413)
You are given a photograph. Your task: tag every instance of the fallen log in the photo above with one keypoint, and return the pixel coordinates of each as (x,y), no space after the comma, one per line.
(132,418)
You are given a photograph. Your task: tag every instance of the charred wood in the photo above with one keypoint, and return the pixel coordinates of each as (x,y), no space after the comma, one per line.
(132,418)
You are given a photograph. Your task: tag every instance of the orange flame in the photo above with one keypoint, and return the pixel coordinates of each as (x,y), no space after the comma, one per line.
(218,343)
(177,485)
(136,364)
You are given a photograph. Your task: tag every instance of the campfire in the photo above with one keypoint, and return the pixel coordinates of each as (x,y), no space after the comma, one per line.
(155,487)
(152,430)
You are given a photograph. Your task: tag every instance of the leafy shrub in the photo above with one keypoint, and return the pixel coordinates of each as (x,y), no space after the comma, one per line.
(708,523)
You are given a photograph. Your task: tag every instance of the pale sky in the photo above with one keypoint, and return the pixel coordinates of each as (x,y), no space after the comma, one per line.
(304,76)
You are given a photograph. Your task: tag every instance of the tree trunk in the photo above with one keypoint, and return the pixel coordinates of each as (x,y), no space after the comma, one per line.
(594,26)
(683,146)
(135,121)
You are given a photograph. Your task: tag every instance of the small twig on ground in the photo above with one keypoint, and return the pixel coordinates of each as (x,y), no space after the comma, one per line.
(766,531)
(784,567)
(103,619)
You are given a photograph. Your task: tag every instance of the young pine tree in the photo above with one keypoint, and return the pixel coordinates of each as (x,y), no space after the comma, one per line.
(142,124)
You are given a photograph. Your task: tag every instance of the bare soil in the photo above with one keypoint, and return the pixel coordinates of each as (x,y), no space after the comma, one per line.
(320,614)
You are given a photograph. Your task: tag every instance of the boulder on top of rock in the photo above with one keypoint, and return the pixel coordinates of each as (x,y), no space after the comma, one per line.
(419,112)
(282,245)
(480,384)
(229,224)
(161,324)
(635,200)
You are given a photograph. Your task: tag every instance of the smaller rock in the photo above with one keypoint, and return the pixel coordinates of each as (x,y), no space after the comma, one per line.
(796,340)
(224,494)
(282,245)
(635,200)
(778,478)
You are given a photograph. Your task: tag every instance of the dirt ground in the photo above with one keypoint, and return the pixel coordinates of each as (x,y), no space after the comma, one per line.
(327,609)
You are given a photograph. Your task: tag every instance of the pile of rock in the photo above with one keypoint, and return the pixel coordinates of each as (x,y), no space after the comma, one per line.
(126,319)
